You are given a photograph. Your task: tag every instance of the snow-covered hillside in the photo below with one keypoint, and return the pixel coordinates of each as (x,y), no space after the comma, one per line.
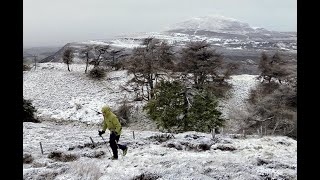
(60,94)
(69,155)
(73,98)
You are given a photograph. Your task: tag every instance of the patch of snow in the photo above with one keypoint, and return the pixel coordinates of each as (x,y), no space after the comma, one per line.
(125,43)
(60,94)
(241,86)
(95,42)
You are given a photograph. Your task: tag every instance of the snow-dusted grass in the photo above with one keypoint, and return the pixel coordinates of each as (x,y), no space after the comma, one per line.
(60,94)
(234,107)
(253,157)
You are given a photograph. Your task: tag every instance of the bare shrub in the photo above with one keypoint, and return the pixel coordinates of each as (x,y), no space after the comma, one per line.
(262,90)
(26,67)
(123,113)
(86,145)
(27,158)
(161,137)
(273,103)
(237,117)
(195,146)
(223,147)
(28,112)
(146,176)
(204,147)
(261,161)
(174,145)
(60,156)
(218,89)
(78,106)
(97,73)
(50,175)
(189,145)
(274,110)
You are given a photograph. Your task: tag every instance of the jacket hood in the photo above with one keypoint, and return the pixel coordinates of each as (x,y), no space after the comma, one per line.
(105,109)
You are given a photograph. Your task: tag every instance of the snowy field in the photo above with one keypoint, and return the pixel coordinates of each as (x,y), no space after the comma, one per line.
(70,100)
(189,155)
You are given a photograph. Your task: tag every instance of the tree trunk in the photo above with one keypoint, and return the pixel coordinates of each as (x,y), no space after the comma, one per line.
(186,107)
(275,127)
(113,63)
(35,63)
(213,133)
(87,63)
(68,67)
(151,85)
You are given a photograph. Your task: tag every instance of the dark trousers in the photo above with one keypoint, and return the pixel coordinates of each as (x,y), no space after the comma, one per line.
(113,144)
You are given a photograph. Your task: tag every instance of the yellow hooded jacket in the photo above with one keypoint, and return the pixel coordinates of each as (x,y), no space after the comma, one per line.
(110,121)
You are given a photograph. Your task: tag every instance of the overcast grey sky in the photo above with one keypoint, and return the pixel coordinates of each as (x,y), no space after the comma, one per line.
(57,22)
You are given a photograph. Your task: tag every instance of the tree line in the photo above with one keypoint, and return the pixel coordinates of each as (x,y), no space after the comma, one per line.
(182,85)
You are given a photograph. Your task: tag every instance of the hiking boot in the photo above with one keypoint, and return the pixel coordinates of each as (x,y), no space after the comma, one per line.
(125,151)
(113,158)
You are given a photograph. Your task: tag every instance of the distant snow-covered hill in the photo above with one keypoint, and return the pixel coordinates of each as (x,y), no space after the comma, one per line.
(224,25)
(215,23)
(228,36)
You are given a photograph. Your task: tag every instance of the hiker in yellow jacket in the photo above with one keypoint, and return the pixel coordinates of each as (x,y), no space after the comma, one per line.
(111,122)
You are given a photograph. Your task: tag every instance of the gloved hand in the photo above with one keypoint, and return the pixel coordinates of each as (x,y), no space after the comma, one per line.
(101,132)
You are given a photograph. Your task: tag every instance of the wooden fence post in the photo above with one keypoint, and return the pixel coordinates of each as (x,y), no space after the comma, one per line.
(41,148)
(94,144)
(213,132)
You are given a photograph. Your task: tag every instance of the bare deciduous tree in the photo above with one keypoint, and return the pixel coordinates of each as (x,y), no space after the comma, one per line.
(145,63)
(115,56)
(273,68)
(68,57)
(99,51)
(273,103)
(85,53)
(203,62)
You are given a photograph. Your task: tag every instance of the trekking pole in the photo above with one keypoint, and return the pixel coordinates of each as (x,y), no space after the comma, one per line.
(117,144)
(106,143)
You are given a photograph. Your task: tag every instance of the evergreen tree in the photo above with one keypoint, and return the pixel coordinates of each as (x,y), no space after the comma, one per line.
(170,109)
(167,104)
(203,114)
